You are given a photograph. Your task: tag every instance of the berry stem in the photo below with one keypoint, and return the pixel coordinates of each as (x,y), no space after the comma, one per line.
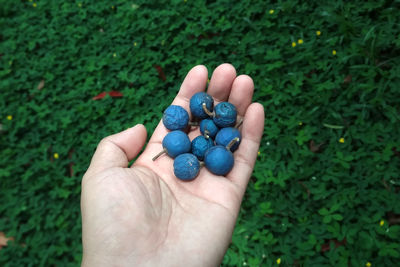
(231,143)
(209,113)
(239,123)
(194,123)
(202,164)
(159,154)
(206,134)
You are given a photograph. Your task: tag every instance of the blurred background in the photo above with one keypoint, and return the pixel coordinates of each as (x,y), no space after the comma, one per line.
(325,189)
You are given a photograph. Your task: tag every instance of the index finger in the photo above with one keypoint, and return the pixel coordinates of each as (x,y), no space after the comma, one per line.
(195,81)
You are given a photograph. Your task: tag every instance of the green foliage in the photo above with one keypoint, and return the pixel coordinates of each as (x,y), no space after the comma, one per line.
(312,200)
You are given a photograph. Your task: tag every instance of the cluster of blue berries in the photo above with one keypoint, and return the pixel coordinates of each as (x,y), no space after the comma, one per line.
(219,137)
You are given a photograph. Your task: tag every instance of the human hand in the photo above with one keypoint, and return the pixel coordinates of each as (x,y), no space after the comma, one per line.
(143,215)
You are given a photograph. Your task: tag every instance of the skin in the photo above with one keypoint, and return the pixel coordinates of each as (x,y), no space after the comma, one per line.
(141,215)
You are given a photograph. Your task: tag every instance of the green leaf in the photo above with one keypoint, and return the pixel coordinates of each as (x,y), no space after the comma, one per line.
(323,211)
(333,126)
(265,208)
(327,219)
(337,217)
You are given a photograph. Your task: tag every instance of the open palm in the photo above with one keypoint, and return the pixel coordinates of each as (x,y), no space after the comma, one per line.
(143,215)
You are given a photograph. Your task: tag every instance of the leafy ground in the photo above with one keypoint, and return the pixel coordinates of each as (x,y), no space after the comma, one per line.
(325,189)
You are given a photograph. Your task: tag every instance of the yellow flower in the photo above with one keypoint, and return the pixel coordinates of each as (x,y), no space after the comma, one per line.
(300,123)
(333,52)
(134,44)
(368,264)
(34,5)
(341,140)
(115,55)
(56,156)
(318,33)
(381,223)
(300,41)
(9,117)
(271,11)
(293,44)
(259,153)
(80,4)
(278,261)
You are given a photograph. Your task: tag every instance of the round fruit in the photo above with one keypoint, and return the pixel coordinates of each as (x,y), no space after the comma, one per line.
(225,115)
(219,160)
(196,104)
(208,127)
(226,135)
(186,166)
(174,144)
(175,118)
(200,145)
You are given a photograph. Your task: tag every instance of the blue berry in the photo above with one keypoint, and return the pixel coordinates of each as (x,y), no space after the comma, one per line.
(175,118)
(200,145)
(186,166)
(225,115)
(226,135)
(196,104)
(174,144)
(209,125)
(219,160)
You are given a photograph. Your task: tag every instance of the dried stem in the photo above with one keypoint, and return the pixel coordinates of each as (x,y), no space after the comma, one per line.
(209,113)
(202,164)
(194,123)
(206,134)
(231,143)
(239,123)
(159,154)
(386,185)
(306,188)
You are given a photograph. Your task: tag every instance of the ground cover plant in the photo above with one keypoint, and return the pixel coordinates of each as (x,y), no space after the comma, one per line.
(325,189)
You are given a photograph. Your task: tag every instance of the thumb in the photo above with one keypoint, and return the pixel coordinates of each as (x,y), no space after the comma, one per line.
(118,149)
